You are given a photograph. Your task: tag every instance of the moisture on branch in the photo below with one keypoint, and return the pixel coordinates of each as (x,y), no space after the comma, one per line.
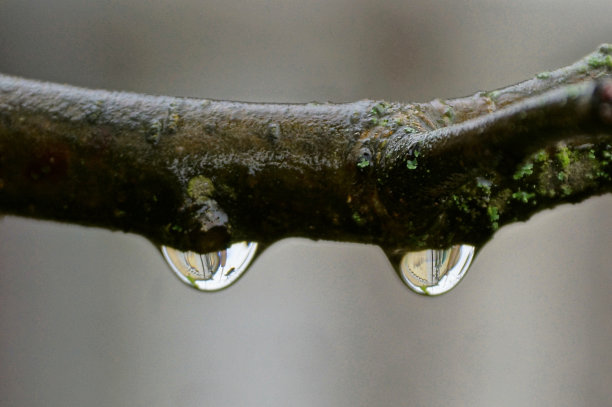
(199,174)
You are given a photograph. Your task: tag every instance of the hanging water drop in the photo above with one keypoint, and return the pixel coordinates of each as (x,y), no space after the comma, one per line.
(434,272)
(211,271)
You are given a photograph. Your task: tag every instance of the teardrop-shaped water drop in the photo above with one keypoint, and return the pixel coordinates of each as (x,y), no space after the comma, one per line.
(434,272)
(211,271)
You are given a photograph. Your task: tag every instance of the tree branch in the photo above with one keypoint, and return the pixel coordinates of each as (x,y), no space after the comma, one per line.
(198,174)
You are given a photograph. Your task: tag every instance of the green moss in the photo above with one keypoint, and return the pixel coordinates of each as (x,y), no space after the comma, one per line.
(154,132)
(174,122)
(605,48)
(526,169)
(460,203)
(484,184)
(561,176)
(413,164)
(564,157)
(200,188)
(493,213)
(363,163)
(358,219)
(380,109)
(494,95)
(449,114)
(523,196)
(600,61)
(541,156)
(543,75)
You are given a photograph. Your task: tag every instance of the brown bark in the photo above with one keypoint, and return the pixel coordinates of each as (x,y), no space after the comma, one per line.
(199,174)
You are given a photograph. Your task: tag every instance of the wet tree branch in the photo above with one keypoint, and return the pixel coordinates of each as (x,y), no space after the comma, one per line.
(199,174)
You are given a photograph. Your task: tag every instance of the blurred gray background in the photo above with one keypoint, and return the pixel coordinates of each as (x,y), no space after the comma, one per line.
(91,317)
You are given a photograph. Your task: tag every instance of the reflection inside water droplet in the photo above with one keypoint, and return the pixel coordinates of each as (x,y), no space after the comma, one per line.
(211,271)
(434,272)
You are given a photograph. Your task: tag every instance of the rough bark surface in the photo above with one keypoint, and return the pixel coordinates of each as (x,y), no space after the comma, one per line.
(198,174)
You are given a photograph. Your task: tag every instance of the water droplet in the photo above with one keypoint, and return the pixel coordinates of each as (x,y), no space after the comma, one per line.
(434,272)
(211,271)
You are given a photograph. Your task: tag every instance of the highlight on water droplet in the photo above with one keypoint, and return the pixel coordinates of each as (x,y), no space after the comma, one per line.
(211,271)
(435,272)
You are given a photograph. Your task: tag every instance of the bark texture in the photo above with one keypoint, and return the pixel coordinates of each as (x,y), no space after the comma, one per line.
(199,174)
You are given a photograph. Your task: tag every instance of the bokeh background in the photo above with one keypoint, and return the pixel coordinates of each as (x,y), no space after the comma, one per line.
(91,317)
